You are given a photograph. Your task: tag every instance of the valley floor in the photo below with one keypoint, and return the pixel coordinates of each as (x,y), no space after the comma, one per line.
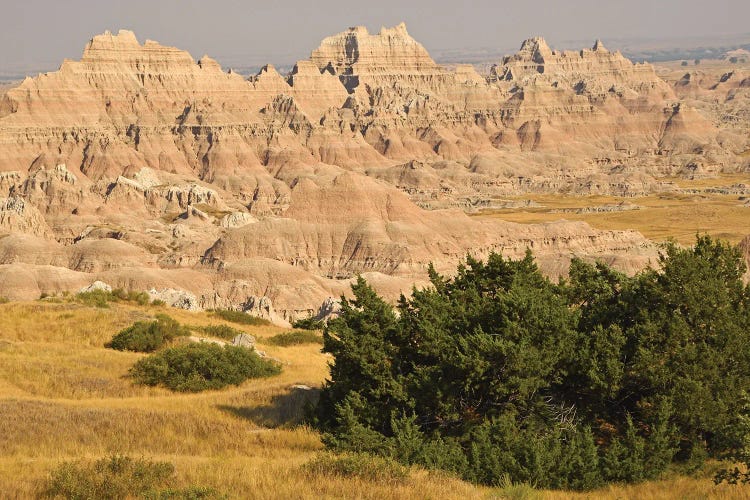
(699,206)
(63,396)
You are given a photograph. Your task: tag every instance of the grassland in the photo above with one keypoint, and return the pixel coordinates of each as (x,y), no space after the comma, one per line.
(63,396)
(672,215)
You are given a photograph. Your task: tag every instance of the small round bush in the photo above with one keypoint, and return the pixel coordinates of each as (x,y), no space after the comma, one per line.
(148,336)
(96,298)
(201,366)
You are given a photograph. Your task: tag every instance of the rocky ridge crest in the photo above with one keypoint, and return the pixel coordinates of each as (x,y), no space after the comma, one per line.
(145,169)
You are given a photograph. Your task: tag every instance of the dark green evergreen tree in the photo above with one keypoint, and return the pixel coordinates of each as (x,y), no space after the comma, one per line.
(499,372)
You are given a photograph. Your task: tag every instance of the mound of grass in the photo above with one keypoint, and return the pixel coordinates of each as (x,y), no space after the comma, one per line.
(119,477)
(148,336)
(102,298)
(219,331)
(240,317)
(201,366)
(113,477)
(358,465)
(190,493)
(295,337)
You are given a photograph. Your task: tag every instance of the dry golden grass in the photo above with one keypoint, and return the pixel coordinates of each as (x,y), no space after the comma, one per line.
(662,217)
(63,396)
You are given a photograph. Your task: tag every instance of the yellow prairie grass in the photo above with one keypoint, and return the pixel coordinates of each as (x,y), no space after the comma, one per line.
(64,397)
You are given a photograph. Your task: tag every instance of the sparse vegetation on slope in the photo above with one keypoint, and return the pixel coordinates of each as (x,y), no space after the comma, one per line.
(219,331)
(102,298)
(240,317)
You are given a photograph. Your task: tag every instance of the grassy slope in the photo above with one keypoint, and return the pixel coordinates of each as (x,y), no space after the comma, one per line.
(63,396)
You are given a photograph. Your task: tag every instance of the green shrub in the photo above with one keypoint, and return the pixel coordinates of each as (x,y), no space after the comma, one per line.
(240,317)
(201,366)
(309,324)
(517,491)
(295,337)
(219,331)
(140,298)
(148,336)
(158,303)
(4,300)
(96,298)
(115,477)
(358,465)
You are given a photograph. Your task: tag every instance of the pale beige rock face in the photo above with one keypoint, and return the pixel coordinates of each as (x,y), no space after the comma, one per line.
(142,168)
(722,94)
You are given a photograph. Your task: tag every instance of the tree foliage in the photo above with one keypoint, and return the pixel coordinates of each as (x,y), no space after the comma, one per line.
(498,372)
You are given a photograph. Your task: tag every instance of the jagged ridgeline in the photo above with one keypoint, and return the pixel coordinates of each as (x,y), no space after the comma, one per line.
(142,168)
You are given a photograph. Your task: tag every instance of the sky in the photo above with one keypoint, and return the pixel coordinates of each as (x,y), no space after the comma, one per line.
(38,34)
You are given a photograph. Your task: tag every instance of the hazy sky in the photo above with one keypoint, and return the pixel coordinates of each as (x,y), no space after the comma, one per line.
(40,33)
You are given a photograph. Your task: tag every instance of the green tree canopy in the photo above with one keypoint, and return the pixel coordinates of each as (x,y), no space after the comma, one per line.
(499,371)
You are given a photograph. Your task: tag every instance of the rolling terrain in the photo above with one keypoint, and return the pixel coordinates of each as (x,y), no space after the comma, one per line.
(63,396)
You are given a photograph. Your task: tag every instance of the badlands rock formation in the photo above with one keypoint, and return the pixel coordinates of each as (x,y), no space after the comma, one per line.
(722,94)
(144,169)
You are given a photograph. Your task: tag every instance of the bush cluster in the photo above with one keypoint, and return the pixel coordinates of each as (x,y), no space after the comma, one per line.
(498,374)
(148,336)
(201,366)
(295,337)
(240,317)
(120,477)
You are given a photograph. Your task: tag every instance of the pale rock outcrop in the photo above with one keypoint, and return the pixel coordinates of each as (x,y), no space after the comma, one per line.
(244,340)
(237,219)
(176,298)
(18,215)
(95,287)
(261,307)
(151,171)
(329,309)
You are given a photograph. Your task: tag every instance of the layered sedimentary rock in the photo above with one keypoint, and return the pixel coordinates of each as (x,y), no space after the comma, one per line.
(145,169)
(722,94)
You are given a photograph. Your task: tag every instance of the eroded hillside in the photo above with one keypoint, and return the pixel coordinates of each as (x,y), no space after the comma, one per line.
(142,168)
